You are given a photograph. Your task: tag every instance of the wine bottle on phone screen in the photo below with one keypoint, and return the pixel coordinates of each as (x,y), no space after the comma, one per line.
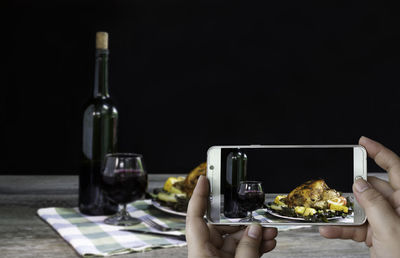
(100,121)
(236,171)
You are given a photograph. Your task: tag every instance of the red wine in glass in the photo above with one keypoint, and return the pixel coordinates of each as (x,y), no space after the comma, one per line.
(125,186)
(124,180)
(250,198)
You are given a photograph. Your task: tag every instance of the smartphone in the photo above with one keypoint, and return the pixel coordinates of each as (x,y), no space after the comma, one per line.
(285,184)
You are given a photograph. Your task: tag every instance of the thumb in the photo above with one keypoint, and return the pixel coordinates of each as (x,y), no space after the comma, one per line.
(249,244)
(380,213)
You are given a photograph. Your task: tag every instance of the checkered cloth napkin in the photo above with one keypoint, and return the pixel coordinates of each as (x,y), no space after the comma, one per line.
(89,236)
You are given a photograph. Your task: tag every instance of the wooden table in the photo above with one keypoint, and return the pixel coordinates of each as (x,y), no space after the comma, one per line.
(24,234)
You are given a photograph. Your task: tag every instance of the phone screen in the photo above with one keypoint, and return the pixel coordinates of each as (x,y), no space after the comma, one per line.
(287,185)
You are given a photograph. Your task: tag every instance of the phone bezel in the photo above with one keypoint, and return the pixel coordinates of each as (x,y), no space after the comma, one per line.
(214,177)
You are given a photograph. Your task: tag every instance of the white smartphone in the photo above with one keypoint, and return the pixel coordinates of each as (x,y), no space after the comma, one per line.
(285,184)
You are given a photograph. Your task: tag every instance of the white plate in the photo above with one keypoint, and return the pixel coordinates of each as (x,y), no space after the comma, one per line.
(294,218)
(167,209)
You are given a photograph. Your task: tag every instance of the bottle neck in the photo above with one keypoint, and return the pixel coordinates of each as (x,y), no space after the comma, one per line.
(101,74)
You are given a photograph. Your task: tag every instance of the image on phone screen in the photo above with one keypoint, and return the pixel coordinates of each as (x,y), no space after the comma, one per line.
(286,185)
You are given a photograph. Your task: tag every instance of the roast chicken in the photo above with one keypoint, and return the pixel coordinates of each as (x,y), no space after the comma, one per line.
(311,194)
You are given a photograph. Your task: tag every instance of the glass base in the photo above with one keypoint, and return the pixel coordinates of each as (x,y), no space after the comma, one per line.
(250,218)
(122,218)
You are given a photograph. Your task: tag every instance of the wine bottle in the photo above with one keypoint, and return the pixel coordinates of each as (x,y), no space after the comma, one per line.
(236,171)
(100,121)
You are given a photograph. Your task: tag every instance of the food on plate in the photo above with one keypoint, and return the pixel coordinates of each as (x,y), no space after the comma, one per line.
(170,187)
(312,200)
(191,180)
(177,202)
(178,190)
(313,193)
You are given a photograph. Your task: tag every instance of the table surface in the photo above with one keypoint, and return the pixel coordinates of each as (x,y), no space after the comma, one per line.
(24,234)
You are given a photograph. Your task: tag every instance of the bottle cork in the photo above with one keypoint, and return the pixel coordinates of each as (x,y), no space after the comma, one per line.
(101,40)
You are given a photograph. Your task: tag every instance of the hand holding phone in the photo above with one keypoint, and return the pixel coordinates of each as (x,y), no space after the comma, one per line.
(222,241)
(381,201)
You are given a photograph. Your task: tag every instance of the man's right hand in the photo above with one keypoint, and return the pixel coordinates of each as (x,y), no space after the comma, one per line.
(381,202)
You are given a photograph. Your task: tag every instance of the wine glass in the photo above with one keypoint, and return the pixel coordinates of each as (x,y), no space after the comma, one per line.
(124,180)
(250,197)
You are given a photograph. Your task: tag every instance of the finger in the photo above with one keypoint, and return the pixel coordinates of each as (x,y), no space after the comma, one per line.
(381,186)
(217,233)
(196,228)
(368,240)
(231,242)
(394,199)
(267,246)
(372,252)
(249,244)
(227,229)
(387,191)
(229,245)
(380,213)
(268,242)
(215,236)
(269,233)
(357,233)
(198,202)
(385,158)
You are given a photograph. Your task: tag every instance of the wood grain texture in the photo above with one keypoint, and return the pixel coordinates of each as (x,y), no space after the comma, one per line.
(24,234)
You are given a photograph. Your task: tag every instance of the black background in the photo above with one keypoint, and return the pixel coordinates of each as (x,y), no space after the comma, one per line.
(190,74)
(283,169)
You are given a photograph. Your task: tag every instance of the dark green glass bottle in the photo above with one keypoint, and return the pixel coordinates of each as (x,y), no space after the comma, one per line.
(236,171)
(100,121)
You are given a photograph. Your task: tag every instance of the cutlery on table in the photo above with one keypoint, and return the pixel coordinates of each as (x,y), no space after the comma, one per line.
(180,236)
(156,225)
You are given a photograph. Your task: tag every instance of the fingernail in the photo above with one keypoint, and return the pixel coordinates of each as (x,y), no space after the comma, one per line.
(366,139)
(361,185)
(254,231)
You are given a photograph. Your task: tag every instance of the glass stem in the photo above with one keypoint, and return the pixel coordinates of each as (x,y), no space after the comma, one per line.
(124,213)
(250,215)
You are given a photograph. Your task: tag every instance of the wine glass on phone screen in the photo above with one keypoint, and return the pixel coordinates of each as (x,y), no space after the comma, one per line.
(124,180)
(250,198)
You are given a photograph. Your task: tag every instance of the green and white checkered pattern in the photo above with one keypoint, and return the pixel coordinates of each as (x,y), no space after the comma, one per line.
(89,236)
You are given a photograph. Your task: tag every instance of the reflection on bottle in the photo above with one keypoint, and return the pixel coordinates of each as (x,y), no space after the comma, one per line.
(236,171)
